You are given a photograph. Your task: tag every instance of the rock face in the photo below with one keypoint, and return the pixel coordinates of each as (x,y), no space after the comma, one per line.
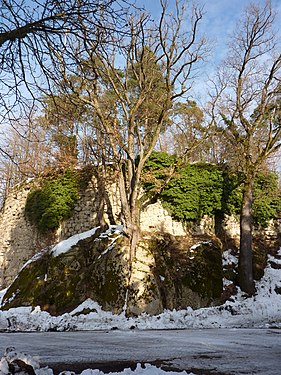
(165,275)
(60,283)
(187,275)
(19,240)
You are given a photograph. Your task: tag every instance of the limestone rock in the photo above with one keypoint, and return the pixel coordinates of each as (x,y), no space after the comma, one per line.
(59,284)
(187,276)
(164,275)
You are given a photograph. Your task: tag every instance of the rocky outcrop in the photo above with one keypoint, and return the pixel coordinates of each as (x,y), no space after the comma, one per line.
(167,272)
(19,240)
(92,268)
(165,275)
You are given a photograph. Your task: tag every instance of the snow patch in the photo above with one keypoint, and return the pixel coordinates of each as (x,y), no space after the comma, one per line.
(24,364)
(65,245)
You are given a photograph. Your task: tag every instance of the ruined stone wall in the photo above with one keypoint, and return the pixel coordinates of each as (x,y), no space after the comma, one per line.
(84,215)
(155,218)
(19,240)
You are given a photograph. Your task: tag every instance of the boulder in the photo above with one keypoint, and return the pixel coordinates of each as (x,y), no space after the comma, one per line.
(92,268)
(166,274)
(187,275)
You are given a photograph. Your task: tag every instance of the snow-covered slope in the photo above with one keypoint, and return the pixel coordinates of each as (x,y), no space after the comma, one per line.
(262,310)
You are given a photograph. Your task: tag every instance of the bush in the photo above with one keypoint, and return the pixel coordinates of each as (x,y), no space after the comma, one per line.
(156,170)
(267,198)
(196,190)
(49,205)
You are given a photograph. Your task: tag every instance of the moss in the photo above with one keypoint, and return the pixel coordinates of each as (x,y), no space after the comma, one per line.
(28,286)
(109,288)
(178,270)
(59,284)
(204,274)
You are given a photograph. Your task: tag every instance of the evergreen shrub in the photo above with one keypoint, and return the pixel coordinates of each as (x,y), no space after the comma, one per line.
(201,189)
(196,191)
(267,198)
(47,206)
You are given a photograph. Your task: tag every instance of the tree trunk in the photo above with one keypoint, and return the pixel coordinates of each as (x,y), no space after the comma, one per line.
(100,176)
(245,269)
(130,214)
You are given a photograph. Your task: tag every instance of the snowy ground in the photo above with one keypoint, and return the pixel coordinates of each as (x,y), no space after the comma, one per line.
(260,311)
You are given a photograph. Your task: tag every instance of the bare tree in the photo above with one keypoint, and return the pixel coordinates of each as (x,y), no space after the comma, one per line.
(247,100)
(132,86)
(31,34)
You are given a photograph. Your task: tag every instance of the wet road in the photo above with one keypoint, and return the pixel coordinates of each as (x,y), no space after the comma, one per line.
(208,351)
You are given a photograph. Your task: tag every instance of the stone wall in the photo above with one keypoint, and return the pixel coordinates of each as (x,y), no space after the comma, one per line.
(85,212)
(19,240)
(155,218)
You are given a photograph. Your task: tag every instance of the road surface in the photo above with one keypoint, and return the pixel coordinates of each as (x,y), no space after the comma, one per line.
(206,351)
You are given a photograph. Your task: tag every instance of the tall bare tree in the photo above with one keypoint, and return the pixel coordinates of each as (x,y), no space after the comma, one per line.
(132,87)
(247,99)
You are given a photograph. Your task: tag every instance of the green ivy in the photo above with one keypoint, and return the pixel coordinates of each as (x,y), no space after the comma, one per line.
(267,198)
(47,206)
(157,168)
(196,190)
(232,192)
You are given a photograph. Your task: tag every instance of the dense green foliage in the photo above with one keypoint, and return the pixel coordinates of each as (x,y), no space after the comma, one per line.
(49,205)
(196,190)
(156,170)
(267,198)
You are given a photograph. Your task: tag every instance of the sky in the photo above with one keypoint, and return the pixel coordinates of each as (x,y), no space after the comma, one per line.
(218,22)
(219,19)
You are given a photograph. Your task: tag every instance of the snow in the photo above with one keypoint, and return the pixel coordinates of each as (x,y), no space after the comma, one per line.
(147,370)
(260,311)
(229,258)
(65,245)
(11,356)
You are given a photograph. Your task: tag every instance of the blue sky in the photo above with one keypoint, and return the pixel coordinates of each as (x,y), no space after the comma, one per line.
(220,15)
(219,20)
